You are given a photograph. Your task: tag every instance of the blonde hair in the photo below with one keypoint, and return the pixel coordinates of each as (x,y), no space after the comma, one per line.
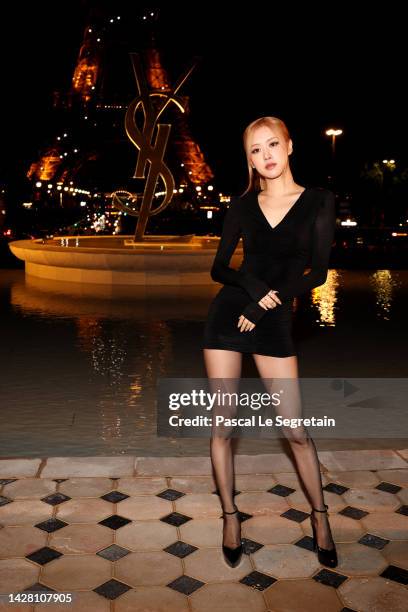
(255,182)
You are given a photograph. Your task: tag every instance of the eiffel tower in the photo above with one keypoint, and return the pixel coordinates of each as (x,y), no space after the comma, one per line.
(90,151)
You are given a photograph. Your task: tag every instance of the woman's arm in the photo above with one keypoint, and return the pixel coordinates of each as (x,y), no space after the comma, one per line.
(299,283)
(221,271)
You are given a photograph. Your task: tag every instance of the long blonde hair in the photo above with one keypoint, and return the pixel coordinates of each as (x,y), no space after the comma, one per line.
(255,182)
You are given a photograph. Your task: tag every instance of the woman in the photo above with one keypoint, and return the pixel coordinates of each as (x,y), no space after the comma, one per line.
(284,227)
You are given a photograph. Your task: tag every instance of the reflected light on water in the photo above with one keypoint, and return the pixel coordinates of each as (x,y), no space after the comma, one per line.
(106,353)
(80,364)
(324,299)
(384,283)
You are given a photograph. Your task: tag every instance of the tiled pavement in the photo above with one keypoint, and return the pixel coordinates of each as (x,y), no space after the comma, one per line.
(144,534)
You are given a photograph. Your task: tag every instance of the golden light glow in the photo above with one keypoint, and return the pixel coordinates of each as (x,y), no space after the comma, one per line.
(384,283)
(324,299)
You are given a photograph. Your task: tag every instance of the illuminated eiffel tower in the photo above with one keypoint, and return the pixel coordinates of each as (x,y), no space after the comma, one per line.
(90,149)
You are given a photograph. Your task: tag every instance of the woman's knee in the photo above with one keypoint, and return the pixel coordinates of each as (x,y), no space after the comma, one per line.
(298,437)
(221,437)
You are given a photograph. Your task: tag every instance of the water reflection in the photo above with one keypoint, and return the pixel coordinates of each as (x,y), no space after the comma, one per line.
(80,364)
(385,283)
(324,299)
(106,351)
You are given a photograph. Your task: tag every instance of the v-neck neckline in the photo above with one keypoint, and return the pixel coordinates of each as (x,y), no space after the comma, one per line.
(256,193)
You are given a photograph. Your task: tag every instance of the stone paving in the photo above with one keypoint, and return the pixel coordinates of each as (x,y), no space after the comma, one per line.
(129,534)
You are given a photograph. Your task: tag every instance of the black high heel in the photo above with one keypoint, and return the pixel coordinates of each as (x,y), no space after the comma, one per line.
(326,556)
(232,555)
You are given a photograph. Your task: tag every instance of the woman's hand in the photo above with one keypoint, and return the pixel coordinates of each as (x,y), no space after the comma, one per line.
(270,300)
(245,324)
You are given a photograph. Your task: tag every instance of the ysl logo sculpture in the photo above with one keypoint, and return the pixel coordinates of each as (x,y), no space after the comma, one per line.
(149,151)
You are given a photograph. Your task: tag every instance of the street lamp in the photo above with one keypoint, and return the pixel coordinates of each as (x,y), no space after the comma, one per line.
(333,134)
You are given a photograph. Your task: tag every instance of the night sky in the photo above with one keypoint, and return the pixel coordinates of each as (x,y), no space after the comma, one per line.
(311,69)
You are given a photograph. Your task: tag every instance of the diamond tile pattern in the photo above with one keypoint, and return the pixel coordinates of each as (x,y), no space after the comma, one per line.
(333,487)
(51,525)
(185,584)
(115,521)
(176,519)
(180,549)
(44,555)
(374,541)
(55,498)
(183,542)
(306,542)
(112,589)
(330,578)
(354,513)
(38,588)
(114,496)
(388,487)
(113,553)
(295,515)
(281,490)
(170,494)
(257,580)
(250,547)
(399,574)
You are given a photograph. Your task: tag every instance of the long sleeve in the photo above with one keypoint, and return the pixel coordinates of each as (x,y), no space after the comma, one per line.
(297,282)
(323,234)
(221,271)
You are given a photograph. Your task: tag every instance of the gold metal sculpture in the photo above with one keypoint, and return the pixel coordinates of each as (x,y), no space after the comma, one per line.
(149,151)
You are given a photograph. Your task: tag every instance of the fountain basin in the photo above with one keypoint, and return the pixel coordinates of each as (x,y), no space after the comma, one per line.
(158,260)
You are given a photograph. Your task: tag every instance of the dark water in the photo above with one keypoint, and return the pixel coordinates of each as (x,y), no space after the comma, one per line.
(79,364)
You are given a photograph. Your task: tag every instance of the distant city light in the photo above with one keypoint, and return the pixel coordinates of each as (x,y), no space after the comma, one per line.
(38,184)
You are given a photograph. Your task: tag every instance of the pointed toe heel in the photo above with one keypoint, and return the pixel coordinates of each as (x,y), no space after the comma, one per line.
(326,556)
(232,556)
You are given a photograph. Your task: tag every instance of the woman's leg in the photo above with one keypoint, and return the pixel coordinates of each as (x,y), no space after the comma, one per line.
(223,371)
(302,445)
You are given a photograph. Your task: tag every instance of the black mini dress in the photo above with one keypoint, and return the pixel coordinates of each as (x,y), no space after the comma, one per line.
(274,258)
